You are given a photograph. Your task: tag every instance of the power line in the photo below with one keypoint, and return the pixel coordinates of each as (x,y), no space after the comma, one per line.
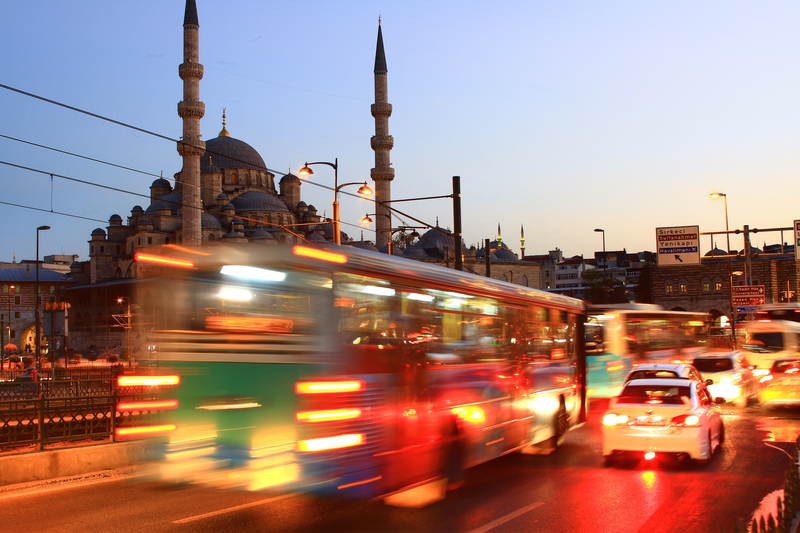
(53,212)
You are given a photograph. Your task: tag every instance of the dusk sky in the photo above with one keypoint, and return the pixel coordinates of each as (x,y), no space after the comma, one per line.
(559,116)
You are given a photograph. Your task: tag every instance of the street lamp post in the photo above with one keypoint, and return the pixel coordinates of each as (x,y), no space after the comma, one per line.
(128,327)
(730,274)
(4,326)
(392,231)
(38,320)
(364,189)
(605,263)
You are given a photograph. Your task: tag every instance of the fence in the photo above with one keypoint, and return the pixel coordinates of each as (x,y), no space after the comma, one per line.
(787,507)
(66,405)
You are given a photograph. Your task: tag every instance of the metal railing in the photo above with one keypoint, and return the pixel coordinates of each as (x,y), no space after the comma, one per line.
(71,405)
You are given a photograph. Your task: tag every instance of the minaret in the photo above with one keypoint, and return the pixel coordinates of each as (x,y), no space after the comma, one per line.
(499,238)
(191,110)
(382,143)
(521,241)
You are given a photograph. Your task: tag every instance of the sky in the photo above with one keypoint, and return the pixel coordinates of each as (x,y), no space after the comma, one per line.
(561,117)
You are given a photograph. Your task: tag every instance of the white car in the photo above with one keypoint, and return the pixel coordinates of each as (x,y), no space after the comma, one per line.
(664,370)
(651,417)
(732,376)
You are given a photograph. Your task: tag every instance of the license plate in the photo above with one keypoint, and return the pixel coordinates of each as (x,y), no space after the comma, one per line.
(650,421)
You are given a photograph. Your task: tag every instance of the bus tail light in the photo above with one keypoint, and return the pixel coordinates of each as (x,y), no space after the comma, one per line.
(147,381)
(322,255)
(326,416)
(144,431)
(148,405)
(331,443)
(328,387)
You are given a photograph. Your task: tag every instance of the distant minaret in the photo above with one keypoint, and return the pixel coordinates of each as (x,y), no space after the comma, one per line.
(521,241)
(191,110)
(382,143)
(499,238)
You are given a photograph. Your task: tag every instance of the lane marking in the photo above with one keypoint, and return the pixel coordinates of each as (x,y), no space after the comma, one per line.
(66,483)
(234,509)
(506,518)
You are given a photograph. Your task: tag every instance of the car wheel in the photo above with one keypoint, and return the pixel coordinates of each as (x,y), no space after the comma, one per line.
(709,452)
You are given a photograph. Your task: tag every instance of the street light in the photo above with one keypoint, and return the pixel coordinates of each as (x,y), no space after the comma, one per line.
(730,274)
(605,262)
(38,320)
(364,190)
(414,234)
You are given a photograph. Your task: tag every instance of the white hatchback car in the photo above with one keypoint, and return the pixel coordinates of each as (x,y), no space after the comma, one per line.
(664,370)
(662,416)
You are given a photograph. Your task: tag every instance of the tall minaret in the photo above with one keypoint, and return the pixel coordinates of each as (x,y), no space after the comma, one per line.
(191,110)
(521,241)
(382,143)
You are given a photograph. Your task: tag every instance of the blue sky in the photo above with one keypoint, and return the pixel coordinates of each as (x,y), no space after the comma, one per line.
(562,117)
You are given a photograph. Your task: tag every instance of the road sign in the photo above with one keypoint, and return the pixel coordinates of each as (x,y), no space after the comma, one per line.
(746,309)
(678,245)
(739,301)
(749,290)
(797,240)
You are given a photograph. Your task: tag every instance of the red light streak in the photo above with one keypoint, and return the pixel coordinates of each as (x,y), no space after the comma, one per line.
(163,260)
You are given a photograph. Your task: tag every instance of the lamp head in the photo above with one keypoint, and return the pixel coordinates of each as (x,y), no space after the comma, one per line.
(305,171)
(414,234)
(42,228)
(364,189)
(718,194)
(366,220)
(600,230)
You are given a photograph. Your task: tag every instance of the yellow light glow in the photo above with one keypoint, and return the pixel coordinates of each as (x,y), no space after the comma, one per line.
(326,387)
(543,404)
(322,255)
(147,381)
(144,431)
(696,323)
(324,416)
(331,443)
(470,413)
(692,420)
(612,419)
(229,406)
(272,477)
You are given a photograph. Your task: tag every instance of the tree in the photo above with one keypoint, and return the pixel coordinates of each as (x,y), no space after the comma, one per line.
(112,359)
(402,240)
(92,357)
(594,283)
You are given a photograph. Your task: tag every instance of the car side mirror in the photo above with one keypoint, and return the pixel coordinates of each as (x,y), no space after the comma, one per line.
(709,381)
(719,401)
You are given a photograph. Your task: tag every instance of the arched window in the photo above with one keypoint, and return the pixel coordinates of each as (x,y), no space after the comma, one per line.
(503,278)
(706,285)
(525,281)
(717,284)
(668,287)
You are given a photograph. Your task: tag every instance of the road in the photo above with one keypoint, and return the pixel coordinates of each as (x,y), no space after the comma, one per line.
(567,491)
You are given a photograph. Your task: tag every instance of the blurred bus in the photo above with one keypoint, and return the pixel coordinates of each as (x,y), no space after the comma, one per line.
(620,336)
(767,339)
(347,372)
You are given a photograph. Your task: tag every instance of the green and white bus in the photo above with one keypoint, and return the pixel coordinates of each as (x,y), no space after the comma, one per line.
(349,372)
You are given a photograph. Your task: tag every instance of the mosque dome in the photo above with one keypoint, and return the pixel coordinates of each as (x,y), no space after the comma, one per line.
(98,232)
(261,234)
(438,238)
(222,196)
(208,221)
(227,152)
(365,245)
(144,221)
(137,210)
(170,201)
(315,237)
(258,201)
(289,178)
(506,255)
(161,182)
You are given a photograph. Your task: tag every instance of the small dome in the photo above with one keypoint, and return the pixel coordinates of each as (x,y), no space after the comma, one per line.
(716,251)
(210,168)
(395,250)
(222,196)
(170,201)
(437,238)
(312,209)
(506,255)
(228,206)
(115,218)
(161,182)
(301,203)
(137,209)
(233,235)
(100,232)
(365,245)
(416,253)
(288,178)
(208,221)
(261,234)
(258,201)
(236,220)
(144,221)
(315,237)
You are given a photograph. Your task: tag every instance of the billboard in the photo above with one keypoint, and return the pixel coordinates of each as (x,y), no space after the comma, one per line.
(678,245)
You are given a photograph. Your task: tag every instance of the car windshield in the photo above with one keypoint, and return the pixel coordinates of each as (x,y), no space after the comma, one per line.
(667,394)
(716,364)
(647,374)
(786,367)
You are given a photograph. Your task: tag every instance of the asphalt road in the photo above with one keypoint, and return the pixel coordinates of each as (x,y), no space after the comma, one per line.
(568,491)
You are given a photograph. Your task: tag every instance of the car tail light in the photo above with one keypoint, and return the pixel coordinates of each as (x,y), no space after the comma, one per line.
(760,372)
(650,455)
(327,415)
(686,420)
(144,431)
(147,405)
(612,419)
